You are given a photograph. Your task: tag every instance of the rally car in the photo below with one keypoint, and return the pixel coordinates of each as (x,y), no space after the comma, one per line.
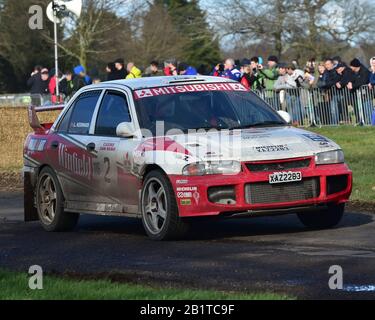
(170,149)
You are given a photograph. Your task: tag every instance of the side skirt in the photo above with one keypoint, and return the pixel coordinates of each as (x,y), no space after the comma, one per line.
(102,209)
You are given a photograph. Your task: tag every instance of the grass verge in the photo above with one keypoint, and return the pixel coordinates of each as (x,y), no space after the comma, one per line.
(358,144)
(14,286)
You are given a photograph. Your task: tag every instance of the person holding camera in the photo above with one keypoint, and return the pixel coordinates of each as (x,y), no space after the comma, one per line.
(255,69)
(227,70)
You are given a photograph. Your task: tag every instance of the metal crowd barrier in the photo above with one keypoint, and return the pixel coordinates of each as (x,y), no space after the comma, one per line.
(307,107)
(330,107)
(24,99)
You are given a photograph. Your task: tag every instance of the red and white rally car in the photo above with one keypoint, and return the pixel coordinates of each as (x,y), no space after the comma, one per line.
(173,148)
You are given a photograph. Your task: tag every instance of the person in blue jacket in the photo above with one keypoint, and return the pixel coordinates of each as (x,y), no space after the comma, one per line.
(81,74)
(186,70)
(229,71)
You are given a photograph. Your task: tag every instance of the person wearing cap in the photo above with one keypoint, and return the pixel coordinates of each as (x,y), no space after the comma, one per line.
(345,75)
(119,73)
(81,79)
(184,69)
(361,77)
(271,74)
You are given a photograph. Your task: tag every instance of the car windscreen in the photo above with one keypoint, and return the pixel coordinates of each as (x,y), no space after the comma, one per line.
(181,110)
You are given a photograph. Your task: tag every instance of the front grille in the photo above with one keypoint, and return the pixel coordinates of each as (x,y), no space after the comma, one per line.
(264,192)
(278,166)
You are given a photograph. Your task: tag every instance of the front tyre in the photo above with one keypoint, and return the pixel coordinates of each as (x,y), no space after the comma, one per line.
(50,203)
(324,219)
(160,216)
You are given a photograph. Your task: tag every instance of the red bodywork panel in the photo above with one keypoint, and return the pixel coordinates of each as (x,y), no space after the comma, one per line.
(201,206)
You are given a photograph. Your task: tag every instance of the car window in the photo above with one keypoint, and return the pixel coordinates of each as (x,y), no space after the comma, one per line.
(113,111)
(81,114)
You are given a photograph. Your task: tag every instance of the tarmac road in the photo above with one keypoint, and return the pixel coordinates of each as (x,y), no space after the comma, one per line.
(273,254)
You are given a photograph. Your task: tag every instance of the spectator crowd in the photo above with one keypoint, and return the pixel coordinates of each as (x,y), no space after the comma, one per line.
(332,87)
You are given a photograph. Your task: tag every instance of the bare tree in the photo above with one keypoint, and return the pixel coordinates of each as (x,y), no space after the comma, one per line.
(313,27)
(93,34)
(159,39)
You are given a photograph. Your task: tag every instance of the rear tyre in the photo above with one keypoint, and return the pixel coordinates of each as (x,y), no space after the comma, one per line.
(160,216)
(324,219)
(50,204)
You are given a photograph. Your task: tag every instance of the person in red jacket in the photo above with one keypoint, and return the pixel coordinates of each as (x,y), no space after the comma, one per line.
(170,68)
(247,79)
(52,89)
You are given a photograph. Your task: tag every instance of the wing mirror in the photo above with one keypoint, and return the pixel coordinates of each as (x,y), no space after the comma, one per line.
(285,115)
(125,130)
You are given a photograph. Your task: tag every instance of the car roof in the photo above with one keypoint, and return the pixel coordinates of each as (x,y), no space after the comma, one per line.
(151,82)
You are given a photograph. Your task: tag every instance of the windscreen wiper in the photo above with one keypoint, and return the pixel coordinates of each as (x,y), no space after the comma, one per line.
(209,128)
(259,124)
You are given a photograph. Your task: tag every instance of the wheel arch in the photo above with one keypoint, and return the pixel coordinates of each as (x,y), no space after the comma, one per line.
(151,167)
(41,167)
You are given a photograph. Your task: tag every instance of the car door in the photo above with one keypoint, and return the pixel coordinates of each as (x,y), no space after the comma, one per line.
(70,154)
(112,165)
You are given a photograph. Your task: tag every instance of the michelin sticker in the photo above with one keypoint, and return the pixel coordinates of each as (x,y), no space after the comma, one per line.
(188,193)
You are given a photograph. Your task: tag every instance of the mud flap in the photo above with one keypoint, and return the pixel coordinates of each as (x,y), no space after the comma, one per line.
(30,212)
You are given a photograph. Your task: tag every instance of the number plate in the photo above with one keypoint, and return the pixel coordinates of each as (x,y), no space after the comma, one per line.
(284,177)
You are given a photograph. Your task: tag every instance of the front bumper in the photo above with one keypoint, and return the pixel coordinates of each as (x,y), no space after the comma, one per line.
(192,193)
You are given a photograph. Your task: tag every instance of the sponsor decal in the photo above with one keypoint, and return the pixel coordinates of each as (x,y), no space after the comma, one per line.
(277,148)
(182,181)
(196,197)
(188,193)
(315,137)
(108,147)
(255,136)
(182,195)
(325,145)
(185,202)
(187,189)
(152,92)
(78,164)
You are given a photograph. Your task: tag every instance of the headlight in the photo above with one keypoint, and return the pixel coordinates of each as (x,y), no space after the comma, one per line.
(330,157)
(212,167)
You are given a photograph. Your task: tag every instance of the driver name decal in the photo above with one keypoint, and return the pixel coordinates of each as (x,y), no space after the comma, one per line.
(277,148)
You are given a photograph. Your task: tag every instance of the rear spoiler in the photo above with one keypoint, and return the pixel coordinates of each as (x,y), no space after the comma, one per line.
(34,120)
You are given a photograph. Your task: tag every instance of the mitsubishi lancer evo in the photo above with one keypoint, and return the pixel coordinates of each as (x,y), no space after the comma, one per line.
(171,149)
